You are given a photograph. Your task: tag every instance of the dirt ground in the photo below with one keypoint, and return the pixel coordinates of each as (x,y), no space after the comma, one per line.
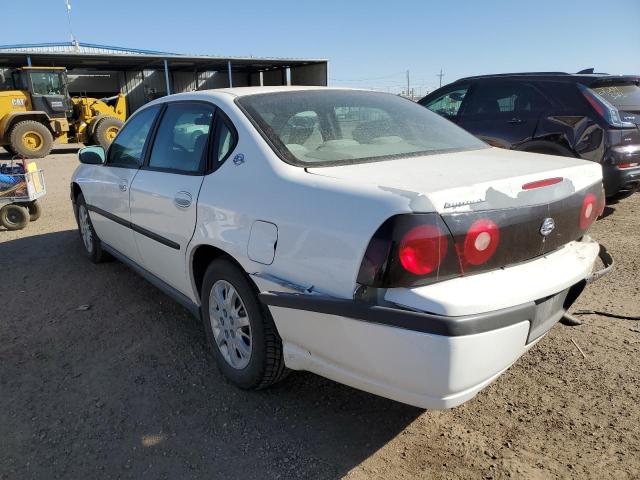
(127,388)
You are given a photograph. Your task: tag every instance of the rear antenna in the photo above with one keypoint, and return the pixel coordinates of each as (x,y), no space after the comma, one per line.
(74,40)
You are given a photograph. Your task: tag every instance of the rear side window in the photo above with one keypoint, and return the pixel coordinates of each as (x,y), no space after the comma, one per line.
(448,105)
(622,96)
(181,140)
(507,98)
(225,139)
(127,148)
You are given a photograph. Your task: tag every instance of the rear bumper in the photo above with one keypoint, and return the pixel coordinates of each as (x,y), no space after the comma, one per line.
(621,182)
(423,359)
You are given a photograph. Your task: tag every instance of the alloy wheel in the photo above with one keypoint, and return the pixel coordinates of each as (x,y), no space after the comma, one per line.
(230,324)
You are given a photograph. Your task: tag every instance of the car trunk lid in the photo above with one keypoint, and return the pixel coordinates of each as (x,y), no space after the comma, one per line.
(485,179)
(536,202)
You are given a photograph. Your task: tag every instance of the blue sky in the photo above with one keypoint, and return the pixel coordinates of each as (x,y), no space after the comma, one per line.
(369,44)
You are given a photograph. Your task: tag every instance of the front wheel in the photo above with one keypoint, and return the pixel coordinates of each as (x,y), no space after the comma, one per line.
(240,331)
(90,241)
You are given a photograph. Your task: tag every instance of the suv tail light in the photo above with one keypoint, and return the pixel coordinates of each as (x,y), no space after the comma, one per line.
(607,111)
(627,165)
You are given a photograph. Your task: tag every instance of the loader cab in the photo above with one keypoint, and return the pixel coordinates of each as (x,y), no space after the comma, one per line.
(47,87)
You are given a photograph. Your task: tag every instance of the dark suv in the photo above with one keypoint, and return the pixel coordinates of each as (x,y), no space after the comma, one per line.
(591,116)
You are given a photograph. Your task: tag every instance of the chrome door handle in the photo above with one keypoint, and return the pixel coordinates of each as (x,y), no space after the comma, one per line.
(183,199)
(516,121)
(123,185)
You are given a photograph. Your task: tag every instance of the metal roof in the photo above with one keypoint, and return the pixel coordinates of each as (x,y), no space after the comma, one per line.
(87,55)
(75,48)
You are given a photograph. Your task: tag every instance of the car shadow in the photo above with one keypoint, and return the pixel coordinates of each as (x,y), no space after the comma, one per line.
(608,210)
(57,149)
(104,376)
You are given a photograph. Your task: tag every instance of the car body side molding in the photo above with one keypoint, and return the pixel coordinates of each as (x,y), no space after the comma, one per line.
(134,227)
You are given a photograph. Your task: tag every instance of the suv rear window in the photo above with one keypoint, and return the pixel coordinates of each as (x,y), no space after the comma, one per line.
(622,96)
(335,127)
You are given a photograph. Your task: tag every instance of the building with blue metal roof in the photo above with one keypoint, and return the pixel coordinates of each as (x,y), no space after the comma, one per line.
(142,75)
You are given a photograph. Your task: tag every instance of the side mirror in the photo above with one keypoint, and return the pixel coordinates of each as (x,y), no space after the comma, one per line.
(92,155)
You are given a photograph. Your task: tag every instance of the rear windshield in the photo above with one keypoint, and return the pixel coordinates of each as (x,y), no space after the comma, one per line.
(334,127)
(622,96)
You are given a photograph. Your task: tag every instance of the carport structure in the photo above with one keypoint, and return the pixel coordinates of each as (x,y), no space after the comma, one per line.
(143,75)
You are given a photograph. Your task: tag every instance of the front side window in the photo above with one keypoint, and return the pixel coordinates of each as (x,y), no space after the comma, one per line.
(510,98)
(48,83)
(127,148)
(181,139)
(334,127)
(448,105)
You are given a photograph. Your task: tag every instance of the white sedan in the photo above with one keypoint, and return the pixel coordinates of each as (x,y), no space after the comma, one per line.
(349,233)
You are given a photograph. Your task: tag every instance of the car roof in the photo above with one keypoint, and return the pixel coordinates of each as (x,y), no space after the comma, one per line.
(584,78)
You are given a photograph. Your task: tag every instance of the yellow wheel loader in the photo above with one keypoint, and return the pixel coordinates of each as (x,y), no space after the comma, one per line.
(38,111)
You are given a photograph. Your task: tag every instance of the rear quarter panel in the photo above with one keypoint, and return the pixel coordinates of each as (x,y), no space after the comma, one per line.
(324,224)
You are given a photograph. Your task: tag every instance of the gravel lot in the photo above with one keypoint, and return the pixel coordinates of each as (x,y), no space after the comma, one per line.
(127,389)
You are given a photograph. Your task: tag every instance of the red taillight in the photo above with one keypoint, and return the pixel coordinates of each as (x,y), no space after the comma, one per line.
(627,165)
(542,183)
(593,100)
(481,242)
(422,249)
(589,211)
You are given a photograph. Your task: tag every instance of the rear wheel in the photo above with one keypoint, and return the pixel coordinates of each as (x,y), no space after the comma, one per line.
(31,139)
(106,131)
(14,217)
(240,330)
(35,210)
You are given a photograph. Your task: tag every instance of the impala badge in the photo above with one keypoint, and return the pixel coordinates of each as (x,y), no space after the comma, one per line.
(547,226)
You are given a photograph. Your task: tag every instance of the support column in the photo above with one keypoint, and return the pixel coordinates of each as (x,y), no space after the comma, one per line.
(28,60)
(229,71)
(166,77)
(261,78)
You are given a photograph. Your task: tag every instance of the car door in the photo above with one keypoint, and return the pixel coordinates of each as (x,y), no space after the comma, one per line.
(107,194)
(448,103)
(503,114)
(165,191)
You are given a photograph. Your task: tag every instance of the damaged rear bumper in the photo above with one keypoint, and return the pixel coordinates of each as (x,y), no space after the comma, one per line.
(424,359)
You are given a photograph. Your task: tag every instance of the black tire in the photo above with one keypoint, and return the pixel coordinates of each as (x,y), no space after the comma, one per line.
(27,130)
(103,135)
(35,210)
(92,249)
(14,216)
(266,362)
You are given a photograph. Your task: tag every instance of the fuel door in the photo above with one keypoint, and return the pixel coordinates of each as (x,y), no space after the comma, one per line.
(263,240)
